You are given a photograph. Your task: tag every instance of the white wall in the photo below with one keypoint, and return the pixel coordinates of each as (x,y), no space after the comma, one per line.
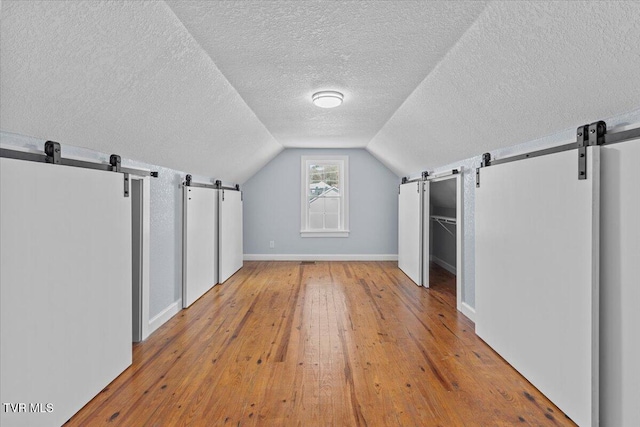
(272,208)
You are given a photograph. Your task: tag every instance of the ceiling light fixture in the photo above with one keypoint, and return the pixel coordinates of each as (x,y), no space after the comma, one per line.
(327,99)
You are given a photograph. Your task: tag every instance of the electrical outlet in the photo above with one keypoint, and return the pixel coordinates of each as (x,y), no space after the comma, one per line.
(272,244)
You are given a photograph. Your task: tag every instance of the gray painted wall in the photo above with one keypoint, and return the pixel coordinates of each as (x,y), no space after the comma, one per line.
(469,166)
(443,244)
(272,208)
(165,239)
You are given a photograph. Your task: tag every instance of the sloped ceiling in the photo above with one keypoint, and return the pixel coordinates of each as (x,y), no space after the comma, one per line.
(218,88)
(277,54)
(524,70)
(126,78)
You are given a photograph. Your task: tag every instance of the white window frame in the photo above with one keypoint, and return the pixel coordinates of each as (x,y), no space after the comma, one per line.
(343,163)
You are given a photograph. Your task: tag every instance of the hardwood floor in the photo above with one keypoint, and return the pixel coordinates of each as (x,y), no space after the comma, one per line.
(326,344)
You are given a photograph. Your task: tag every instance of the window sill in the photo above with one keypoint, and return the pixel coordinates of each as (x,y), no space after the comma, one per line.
(319,233)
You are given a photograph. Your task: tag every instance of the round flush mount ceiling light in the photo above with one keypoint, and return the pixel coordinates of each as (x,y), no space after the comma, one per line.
(327,99)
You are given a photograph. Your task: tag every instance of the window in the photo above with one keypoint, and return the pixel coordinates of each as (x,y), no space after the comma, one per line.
(325,202)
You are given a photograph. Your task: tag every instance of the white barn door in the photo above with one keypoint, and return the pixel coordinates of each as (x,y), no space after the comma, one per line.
(410,242)
(200,242)
(537,278)
(230,249)
(66,288)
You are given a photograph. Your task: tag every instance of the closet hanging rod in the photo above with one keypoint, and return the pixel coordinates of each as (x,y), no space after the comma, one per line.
(445,219)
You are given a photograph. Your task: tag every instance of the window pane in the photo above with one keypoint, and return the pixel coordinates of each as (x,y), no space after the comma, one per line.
(316,188)
(325,194)
(332,175)
(317,180)
(331,221)
(332,205)
(316,204)
(315,221)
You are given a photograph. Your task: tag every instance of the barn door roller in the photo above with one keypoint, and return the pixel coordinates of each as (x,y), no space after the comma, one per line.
(53,152)
(486,161)
(116,166)
(588,135)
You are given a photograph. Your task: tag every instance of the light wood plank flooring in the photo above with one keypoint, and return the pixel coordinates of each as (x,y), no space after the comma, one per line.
(325,344)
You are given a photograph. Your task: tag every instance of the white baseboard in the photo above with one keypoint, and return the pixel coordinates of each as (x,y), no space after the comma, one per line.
(320,257)
(450,268)
(468,311)
(164,316)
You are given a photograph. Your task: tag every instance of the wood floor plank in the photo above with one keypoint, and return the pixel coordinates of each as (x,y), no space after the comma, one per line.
(324,344)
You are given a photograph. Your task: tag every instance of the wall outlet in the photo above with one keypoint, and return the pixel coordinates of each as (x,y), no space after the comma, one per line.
(272,244)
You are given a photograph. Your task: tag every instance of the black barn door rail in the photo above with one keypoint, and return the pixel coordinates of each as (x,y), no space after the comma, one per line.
(406,180)
(188,182)
(53,154)
(586,135)
(426,176)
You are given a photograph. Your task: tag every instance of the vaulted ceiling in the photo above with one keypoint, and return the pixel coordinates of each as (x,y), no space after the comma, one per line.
(219,88)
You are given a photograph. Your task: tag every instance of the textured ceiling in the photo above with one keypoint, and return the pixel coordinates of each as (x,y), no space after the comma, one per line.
(524,70)
(125,78)
(217,88)
(278,53)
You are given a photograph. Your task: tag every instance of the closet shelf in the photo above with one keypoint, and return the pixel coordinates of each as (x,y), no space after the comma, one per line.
(442,220)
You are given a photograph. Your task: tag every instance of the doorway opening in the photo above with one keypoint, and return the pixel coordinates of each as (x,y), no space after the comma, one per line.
(444,254)
(140,218)
(136,258)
